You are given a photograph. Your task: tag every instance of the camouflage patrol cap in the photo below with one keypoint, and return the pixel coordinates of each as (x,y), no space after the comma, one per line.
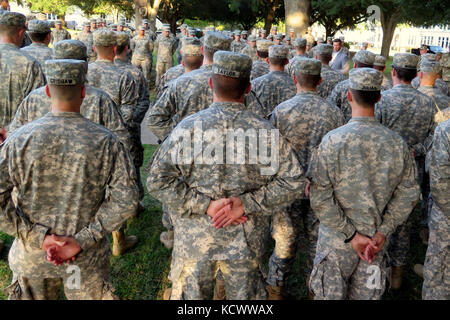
(105,38)
(287,38)
(94,21)
(365,44)
(252,38)
(38,26)
(65,72)
(184,26)
(237,32)
(263,31)
(320,39)
(329,38)
(278,51)
(365,79)
(145,21)
(245,32)
(279,37)
(142,28)
(429,56)
(427,65)
(217,41)
(263,45)
(13,19)
(300,43)
(232,64)
(406,61)
(380,61)
(291,30)
(166,28)
(308,66)
(70,49)
(364,56)
(59,22)
(123,39)
(275,28)
(191,47)
(423,47)
(324,49)
(87,24)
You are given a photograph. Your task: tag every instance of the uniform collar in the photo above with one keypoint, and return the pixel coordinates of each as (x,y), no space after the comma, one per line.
(64,115)
(403,85)
(229,106)
(364,119)
(9,45)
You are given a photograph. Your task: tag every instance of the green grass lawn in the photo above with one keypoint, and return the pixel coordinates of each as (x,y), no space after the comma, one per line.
(142,273)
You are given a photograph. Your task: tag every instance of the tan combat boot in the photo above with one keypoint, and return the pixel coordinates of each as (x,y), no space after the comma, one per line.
(121,243)
(166,239)
(418,269)
(219,290)
(396,280)
(167,293)
(275,293)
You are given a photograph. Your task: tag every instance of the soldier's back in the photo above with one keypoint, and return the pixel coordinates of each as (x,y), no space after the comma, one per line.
(338,97)
(330,78)
(259,69)
(39,52)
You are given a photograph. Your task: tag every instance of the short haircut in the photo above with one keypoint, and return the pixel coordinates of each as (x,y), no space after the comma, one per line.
(103,50)
(262,54)
(38,37)
(362,65)
(193,62)
(379,68)
(65,93)
(337,40)
(365,99)
(324,58)
(278,61)
(308,81)
(406,75)
(209,53)
(121,48)
(231,88)
(9,31)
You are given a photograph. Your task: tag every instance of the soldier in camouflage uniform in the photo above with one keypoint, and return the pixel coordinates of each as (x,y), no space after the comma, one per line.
(40,33)
(180,38)
(278,39)
(93,25)
(298,53)
(165,47)
(330,77)
(244,37)
(338,97)
(142,57)
(148,32)
(439,83)
(302,121)
(250,49)
(76,183)
(358,214)
(237,45)
(380,65)
(261,66)
(410,113)
(20,74)
(59,33)
(192,60)
(121,60)
(276,86)
(86,37)
(229,243)
(312,52)
(429,72)
(97,106)
(436,274)
(123,90)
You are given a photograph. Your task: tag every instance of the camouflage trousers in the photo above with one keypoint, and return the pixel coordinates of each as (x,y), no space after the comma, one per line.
(162,66)
(340,274)
(137,155)
(285,232)
(436,272)
(400,240)
(144,64)
(96,288)
(195,279)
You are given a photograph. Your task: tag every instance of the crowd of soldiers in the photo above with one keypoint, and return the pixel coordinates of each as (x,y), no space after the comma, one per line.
(354,153)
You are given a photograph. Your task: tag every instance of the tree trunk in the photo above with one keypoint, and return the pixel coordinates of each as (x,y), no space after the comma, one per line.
(388,23)
(268,20)
(152,13)
(140,12)
(297,15)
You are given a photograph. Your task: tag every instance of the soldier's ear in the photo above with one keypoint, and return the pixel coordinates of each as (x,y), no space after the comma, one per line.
(295,79)
(249,88)
(349,96)
(47,91)
(420,75)
(83,92)
(320,81)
